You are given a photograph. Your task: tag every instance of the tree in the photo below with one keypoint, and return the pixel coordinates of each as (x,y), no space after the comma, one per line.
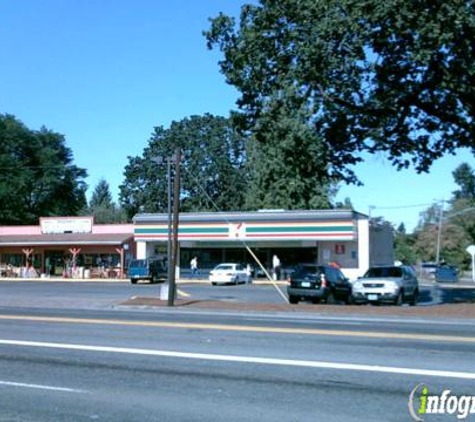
(346,204)
(287,171)
(404,249)
(101,195)
(452,243)
(464,176)
(394,76)
(213,173)
(103,208)
(37,175)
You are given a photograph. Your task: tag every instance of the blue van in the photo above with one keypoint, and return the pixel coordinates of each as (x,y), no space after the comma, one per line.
(152,270)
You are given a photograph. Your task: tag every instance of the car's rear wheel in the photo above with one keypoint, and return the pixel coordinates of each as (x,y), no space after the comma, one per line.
(213,283)
(133,281)
(293,299)
(414,298)
(331,299)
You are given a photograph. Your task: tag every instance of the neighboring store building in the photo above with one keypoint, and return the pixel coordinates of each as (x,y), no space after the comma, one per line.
(63,245)
(338,236)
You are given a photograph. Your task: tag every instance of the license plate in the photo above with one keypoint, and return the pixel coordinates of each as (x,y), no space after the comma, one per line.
(372,297)
(305,284)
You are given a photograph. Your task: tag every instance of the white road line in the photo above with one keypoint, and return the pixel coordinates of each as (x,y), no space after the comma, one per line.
(248,359)
(40,387)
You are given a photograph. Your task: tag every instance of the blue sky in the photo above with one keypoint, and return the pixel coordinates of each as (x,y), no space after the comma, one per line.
(105,72)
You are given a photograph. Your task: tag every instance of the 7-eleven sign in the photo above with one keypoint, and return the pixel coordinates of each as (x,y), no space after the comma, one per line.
(237,231)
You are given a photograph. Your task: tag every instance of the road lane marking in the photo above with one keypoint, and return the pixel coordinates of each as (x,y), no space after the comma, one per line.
(40,387)
(244,328)
(246,359)
(182,293)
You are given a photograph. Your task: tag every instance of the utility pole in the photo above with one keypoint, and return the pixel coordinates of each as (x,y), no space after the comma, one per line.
(169,211)
(176,212)
(160,161)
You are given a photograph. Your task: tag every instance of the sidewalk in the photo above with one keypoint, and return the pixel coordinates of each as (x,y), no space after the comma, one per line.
(452,311)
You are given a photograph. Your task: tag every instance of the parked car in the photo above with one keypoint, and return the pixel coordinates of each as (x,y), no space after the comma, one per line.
(152,270)
(318,282)
(429,267)
(446,274)
(390,284)
(229,273)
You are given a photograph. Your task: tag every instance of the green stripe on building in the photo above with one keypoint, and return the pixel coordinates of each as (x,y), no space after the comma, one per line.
(184,230)
(300,229)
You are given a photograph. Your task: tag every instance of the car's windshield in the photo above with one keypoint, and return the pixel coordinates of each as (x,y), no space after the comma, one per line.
(384,272)
(140,263)
(304,270)
(225,267)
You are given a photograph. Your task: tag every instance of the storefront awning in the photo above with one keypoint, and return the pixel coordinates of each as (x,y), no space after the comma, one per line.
(66,239)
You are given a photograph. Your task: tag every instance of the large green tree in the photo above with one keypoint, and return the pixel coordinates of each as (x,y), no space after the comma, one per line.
(366,75)
(462,207)
(404,249)
(102,206)
(213,175)
(288,171)
(464,177)
(456,223)
(37,174)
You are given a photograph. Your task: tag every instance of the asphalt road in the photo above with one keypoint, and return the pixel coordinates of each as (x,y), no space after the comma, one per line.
(170,365)
(67,355)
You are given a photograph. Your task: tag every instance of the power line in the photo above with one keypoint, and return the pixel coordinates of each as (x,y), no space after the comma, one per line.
(220,212)
(398,207)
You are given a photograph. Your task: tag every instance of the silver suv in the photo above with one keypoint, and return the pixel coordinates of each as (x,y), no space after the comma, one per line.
(392,284)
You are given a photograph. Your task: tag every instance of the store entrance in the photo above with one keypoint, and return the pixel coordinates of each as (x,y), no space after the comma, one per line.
(55,263)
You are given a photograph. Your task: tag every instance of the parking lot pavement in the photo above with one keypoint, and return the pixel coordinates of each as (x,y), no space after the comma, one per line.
(435,301)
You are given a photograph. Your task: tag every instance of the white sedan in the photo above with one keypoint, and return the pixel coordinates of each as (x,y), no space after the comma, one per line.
(229,273)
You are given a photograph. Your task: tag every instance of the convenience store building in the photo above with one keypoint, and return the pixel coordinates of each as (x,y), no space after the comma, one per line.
(342,237)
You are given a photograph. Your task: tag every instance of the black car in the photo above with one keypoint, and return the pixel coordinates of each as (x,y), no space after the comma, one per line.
(318,283)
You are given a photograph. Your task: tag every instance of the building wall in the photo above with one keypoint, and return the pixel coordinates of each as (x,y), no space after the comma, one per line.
(382,244)
(338,236)
(46,249)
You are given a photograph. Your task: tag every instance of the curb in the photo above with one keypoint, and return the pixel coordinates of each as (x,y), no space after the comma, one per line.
(65,280)
(124,280)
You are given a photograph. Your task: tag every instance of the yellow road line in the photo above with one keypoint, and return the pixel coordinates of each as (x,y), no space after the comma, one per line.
(182,293)
(244,328)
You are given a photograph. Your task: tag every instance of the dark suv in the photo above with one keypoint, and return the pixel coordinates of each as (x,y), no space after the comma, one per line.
(149,269)
(317,283)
